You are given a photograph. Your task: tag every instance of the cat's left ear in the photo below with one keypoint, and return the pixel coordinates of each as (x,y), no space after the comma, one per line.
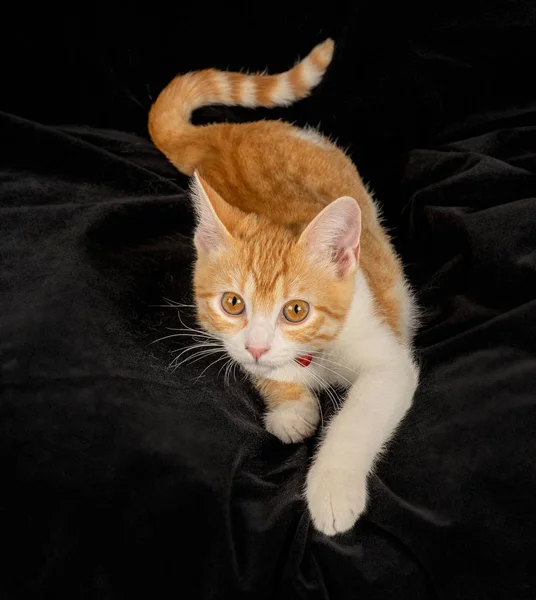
(215,217)
(334,234)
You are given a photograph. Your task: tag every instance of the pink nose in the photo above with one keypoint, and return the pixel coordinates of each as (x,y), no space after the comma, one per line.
(257,352)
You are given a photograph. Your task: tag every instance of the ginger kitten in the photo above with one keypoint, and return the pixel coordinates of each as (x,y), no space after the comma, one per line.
(295,275)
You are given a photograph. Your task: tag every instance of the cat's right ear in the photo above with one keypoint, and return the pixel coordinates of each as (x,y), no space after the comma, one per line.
(215,217)
(334,234)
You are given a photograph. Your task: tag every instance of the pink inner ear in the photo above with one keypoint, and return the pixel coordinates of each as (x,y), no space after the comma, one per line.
(211,232)
(345,259)
(335,234)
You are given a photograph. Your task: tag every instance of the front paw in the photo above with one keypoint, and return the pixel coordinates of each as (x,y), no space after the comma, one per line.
(336,497)
(293,421)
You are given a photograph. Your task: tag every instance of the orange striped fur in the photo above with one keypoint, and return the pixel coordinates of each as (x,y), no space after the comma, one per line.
(283,216)
(279,179)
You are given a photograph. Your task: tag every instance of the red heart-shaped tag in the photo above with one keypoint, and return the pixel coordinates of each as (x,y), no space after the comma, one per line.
(304,360)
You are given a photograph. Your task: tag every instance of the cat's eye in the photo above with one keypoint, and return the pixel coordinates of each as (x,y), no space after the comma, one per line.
(233,304)
(295,311)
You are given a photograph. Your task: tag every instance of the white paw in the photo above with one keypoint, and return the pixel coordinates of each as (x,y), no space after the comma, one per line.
(335,497)
(293,421)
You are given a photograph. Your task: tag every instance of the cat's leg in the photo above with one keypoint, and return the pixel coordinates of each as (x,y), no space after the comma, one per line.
(336,487)
(293,411)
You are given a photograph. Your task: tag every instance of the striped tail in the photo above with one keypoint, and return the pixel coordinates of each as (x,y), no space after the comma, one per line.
(169,118)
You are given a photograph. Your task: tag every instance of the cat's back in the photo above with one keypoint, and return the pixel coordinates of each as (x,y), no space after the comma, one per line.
(266,167)
(276,169)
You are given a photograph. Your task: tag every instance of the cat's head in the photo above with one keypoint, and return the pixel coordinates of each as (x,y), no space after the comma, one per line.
(271,293)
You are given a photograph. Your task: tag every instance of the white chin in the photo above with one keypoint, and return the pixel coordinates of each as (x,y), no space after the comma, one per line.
(258,370)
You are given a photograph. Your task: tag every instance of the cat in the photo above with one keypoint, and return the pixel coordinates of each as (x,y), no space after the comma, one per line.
(295,274)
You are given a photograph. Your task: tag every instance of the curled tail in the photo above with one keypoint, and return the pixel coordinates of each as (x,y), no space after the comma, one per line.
(169,118)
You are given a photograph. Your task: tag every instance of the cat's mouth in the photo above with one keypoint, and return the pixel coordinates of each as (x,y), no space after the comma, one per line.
(258,369)
(261,368)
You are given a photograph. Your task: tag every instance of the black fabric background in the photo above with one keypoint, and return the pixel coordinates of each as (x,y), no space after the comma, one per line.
(122,479)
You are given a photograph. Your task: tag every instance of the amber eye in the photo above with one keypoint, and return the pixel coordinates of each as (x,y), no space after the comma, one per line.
(232,304)
(295,311)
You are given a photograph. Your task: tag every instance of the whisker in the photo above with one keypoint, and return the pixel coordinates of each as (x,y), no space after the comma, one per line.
(225,372)
(166,337)
(192,332)
(200,338)
(177,304)
(333,399)
(201,354)
(222,367)
(212,363)
(322,357)
(199,343)
(230,372)
(226,377)
(194,347)
(327,388)
(183,324)
(318,403)
(177,363)
(211,350)
(331,371)
(234,370)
